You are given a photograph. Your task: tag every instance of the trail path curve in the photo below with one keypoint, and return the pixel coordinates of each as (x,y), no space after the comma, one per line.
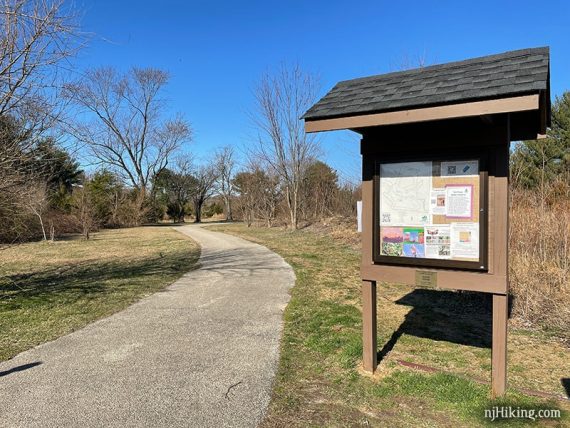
(201,353)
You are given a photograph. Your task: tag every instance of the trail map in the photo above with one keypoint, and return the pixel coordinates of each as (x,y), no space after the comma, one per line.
(405,194)
(430,210)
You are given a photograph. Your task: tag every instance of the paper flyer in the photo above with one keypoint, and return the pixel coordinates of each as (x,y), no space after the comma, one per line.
(438,242)
(465,240)
(459,168)
(459,201)
(392,241)
(437,201)
(414,242)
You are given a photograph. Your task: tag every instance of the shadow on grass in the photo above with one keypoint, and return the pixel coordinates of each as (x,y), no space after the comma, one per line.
(462,318)
(20,368)
(90,278)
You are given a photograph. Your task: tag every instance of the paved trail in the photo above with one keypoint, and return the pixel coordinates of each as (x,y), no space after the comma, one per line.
(202,353)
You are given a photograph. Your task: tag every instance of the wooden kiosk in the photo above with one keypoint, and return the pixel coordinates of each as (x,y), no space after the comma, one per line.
(435,173)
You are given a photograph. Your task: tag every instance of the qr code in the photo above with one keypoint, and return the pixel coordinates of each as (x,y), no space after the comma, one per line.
(452,169)
(386,218)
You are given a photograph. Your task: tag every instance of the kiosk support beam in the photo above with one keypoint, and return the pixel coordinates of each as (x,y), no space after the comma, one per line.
(369,335)
(499,347)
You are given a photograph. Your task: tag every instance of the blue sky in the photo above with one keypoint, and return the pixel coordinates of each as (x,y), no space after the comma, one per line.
(217,50)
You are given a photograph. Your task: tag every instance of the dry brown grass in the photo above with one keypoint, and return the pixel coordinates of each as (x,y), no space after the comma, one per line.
(540,259)
(48,289)
(341,229)
(539,256)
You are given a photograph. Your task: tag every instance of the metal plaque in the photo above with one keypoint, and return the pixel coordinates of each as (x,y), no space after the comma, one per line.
(426,278)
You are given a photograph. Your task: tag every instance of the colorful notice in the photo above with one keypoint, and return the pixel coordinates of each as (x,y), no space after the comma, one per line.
(430,210)
(459,201)
(465,241)
(414,242)
(392,241)
(437,201)
(438,242)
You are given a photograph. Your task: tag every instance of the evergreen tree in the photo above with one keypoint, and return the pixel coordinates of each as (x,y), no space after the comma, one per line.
(536,162)
(104,191)
(55,166)
(320,188)
(174,190)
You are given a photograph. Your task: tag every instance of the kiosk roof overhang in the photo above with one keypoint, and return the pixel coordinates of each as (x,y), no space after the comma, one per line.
(512,82)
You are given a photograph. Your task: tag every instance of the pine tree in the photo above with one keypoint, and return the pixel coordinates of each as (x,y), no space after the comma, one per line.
(536,162)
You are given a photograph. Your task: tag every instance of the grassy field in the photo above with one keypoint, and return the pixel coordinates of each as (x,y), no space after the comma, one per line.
(48,289)
(320,382)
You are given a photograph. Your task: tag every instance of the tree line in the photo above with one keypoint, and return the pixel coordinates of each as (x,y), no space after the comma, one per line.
(53,124)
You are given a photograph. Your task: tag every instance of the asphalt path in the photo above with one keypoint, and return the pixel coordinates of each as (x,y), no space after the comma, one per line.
(201,353)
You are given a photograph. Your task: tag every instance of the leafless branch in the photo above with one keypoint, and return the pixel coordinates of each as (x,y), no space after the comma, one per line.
(122,122)
(225,166)
(282,98)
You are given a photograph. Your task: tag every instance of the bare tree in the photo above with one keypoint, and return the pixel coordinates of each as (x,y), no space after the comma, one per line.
(409,61)
(35,200)
(204,178)
(37,39)
(269,196)
(126,130)
(84,210)
(259,194)
(37,36)
(245,184)
(283,144)
(225,166)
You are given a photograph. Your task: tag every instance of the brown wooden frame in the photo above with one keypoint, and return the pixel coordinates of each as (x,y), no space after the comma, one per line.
(485,127)
(459,110)
(465,138)
(487,139)
(481,264)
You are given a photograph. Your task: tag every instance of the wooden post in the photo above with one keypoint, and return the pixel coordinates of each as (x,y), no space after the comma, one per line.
(369,337)
(499,347)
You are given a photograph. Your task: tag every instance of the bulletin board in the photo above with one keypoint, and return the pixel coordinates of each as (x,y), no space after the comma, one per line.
(431,212)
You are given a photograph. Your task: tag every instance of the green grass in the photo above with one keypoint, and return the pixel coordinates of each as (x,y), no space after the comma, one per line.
(320,383)
(48,289)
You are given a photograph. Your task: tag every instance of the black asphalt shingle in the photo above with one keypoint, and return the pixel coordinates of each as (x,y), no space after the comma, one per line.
(512,73)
